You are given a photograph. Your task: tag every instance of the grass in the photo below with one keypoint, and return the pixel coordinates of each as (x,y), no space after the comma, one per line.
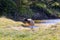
(29,35)
(4,22)
(41,34)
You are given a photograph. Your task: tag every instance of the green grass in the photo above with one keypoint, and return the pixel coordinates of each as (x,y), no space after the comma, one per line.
(4,22)
(48,34)
(41,34)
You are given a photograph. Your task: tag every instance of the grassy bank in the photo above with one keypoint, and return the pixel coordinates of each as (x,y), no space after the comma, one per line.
(41,34)
(4,22)
(47,34)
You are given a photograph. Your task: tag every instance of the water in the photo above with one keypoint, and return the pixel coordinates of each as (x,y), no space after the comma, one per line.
(48,22)
(51,21)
